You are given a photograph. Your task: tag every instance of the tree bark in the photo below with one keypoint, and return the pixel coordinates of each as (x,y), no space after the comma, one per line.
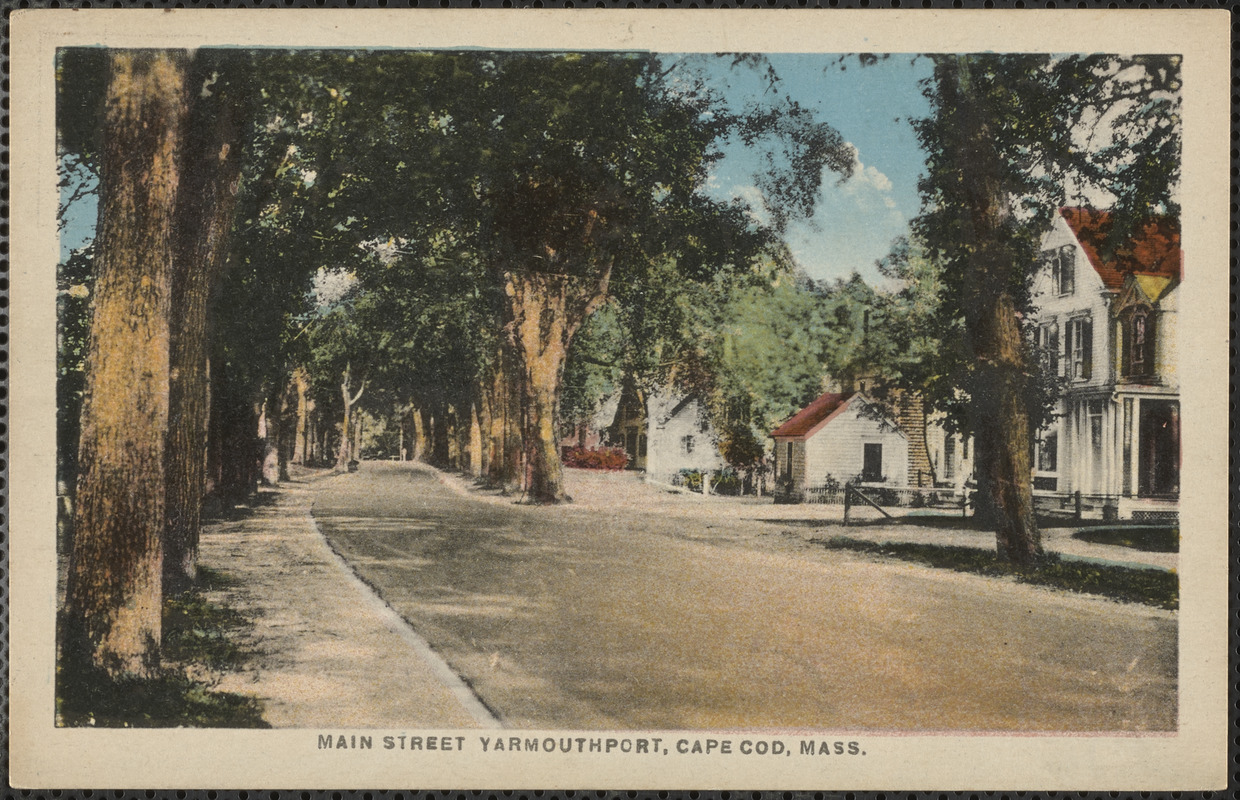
(270,433)
(544,311)
(422,433)
(504,462)
(205,208)
(441,447)
(1003,441)
(345,454)
(302,434)
(484,432)
(114,592)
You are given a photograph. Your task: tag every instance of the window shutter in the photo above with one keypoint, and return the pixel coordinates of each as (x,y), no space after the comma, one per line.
(1087,348)
(1054,348)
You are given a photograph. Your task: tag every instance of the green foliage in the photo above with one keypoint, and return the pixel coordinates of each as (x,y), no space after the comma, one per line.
(1060,126)
(90,698)
(1152,587)
(74,288)
(197,634)
(199,631)
(1152,539)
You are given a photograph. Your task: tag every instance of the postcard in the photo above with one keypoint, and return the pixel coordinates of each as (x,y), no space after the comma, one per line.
(750,400)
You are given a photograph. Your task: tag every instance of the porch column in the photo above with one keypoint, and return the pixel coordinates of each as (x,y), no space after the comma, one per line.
(1136,447)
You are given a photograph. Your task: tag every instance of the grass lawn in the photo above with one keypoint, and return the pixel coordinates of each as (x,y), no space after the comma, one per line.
(199,642)
(1152,587)
(1150,538)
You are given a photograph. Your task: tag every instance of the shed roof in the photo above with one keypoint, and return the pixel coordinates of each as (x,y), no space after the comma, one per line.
(1154,248)
(813,416)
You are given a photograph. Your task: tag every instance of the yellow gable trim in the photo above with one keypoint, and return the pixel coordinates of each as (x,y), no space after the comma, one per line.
(1152,286)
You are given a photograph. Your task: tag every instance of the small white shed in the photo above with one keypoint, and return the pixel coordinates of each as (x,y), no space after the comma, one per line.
(839,437)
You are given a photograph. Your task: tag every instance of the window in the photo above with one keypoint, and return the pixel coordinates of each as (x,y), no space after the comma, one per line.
(872,463)
(1139,343)
(1048,346)
(687,442)
(787,465)
(949,457)
(964,447)
(1048,452)
(1078,348)
(1063,269)
(641,446)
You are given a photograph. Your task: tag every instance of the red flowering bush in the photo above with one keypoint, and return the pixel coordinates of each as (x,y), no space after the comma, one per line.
(596,458)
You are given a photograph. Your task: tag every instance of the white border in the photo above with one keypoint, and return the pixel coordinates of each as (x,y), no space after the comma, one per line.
(1195,758)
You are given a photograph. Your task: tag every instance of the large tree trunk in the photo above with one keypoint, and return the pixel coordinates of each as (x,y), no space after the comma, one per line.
(203,220)
(114,593)
(204,216)
(544,312)
(1000,409)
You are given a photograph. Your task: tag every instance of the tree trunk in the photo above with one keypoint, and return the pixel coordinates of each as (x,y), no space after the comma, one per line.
(204,216)
(441,448)
(484,432)
(504,432)
(269,432)
(114,593)
(346,454)
(421,433)
(544,312)
(302,435)
(999,407)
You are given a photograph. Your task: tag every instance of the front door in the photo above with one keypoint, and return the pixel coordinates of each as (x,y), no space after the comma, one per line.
(1159,467)
(872,465)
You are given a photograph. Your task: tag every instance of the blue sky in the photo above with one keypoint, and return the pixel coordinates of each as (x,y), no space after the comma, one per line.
(856,220)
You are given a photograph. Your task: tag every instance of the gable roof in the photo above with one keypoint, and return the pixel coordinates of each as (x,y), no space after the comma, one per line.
(809,419)
(1154,248)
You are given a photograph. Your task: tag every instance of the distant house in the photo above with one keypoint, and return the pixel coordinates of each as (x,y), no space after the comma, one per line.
(951,454)
(1106,315)
(661,431)
(838,437)
(679,437)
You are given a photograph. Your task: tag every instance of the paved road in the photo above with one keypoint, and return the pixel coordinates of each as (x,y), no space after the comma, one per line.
(326,652)
(573,618)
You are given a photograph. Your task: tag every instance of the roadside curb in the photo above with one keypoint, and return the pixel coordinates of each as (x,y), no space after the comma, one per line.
(454,683)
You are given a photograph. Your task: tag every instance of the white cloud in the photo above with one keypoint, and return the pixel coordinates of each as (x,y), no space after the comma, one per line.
(751,196)
(867,180)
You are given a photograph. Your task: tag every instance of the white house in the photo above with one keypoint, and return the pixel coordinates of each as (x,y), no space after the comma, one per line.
(662,432)
(680,436)
(951,454)
(838,437)
(1106,317)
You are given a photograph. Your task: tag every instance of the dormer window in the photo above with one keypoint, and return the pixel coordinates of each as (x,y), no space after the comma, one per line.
(1062,262)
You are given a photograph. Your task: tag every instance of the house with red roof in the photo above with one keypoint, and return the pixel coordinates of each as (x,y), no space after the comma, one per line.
(1105,306)
(838,437)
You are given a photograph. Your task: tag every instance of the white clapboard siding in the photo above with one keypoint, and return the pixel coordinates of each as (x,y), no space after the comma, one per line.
(838,449)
